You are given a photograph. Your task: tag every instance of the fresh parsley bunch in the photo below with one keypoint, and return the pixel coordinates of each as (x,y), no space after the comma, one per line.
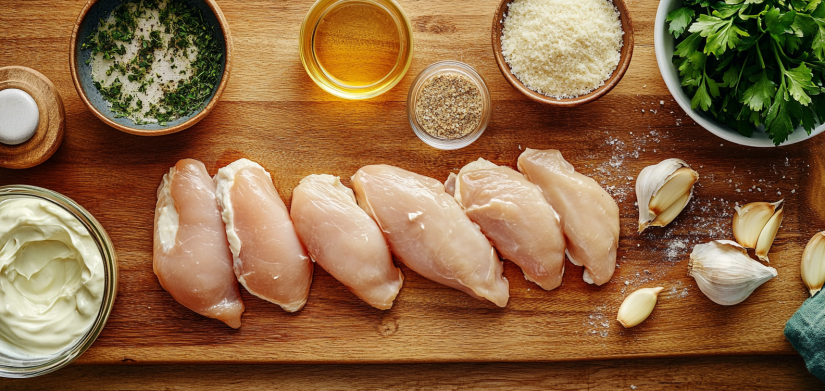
(753,62)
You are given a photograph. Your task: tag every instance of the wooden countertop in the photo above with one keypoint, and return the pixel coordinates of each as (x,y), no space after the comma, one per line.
(272,113)
(769,373)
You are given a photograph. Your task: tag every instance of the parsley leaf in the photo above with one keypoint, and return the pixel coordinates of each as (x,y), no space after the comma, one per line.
(725,10)
(799,82)
(801,116)
(689,46)
(778,121)
(701,98)
(778,23)
(818,42)
(721,33)
(759,94)
(731,77)
(679,20)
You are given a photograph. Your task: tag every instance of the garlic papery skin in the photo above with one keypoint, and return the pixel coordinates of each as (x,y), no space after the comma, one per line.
(749,221)
(637,306)
(813,263)
(768,234)
(725,273)
(662,191)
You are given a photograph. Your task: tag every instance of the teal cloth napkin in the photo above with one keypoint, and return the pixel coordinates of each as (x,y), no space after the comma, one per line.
(806,331)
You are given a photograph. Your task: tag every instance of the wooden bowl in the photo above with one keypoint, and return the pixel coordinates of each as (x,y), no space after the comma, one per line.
(50,125)
(87,22)
(615,78)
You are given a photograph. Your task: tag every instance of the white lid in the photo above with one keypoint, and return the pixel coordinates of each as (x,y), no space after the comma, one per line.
(19,116)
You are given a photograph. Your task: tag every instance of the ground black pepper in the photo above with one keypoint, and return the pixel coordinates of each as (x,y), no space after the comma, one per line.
(449,106)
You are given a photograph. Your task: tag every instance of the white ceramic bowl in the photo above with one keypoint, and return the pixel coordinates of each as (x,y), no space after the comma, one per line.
(664,43)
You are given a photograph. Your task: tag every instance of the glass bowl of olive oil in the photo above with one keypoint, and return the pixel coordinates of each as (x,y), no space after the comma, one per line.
(356,49)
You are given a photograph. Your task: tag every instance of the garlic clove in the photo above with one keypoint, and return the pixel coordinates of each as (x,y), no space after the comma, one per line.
(768,234)
(659,187)
(677,184)
(671,213)
(725,273)
(813,263)
(750,219)
(637,306)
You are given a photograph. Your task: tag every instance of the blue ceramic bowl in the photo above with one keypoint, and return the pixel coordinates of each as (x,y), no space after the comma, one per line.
(87,23)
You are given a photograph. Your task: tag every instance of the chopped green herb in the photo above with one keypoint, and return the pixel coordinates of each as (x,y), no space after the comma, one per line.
(182,32)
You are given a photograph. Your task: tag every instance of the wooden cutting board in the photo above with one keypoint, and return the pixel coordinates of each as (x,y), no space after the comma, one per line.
(272,113)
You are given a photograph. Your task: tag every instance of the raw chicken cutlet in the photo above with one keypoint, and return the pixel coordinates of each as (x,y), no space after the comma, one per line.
(428,231)
(344,240)
(269,259)
(514,215)
(589,216)
(191,255)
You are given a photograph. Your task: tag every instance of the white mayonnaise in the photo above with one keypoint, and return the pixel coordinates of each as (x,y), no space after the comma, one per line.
(51,278)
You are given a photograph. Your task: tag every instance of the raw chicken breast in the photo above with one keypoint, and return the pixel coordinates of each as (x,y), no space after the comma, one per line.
(449,184)
(344,240)
(270,261)
(514,215)
(589,216)
(191,255)
(428,231)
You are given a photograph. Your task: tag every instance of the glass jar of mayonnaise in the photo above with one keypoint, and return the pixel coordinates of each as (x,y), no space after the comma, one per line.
(58,280)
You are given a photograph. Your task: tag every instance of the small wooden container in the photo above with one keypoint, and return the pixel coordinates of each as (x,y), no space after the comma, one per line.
(49,133)
(615,78)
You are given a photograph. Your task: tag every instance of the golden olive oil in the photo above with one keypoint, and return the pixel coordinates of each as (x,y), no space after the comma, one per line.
(358,45)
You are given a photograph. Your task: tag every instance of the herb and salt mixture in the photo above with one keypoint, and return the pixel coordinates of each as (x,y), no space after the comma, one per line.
(154,60)
(755,62)
(449,106)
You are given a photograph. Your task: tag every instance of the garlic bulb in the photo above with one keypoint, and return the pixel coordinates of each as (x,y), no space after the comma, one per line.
(813,263)
(725,273)
(755,225)
(637,306)
(662,191)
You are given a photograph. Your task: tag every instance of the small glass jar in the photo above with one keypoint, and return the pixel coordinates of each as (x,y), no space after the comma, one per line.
(349,89)
(15,367)
(441,68)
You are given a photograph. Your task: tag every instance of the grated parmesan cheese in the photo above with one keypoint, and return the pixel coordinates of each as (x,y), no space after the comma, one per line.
(562,48)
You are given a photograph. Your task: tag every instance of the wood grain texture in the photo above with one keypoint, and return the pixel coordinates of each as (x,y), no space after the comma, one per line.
(49,133)
(272,113)
(717,374)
